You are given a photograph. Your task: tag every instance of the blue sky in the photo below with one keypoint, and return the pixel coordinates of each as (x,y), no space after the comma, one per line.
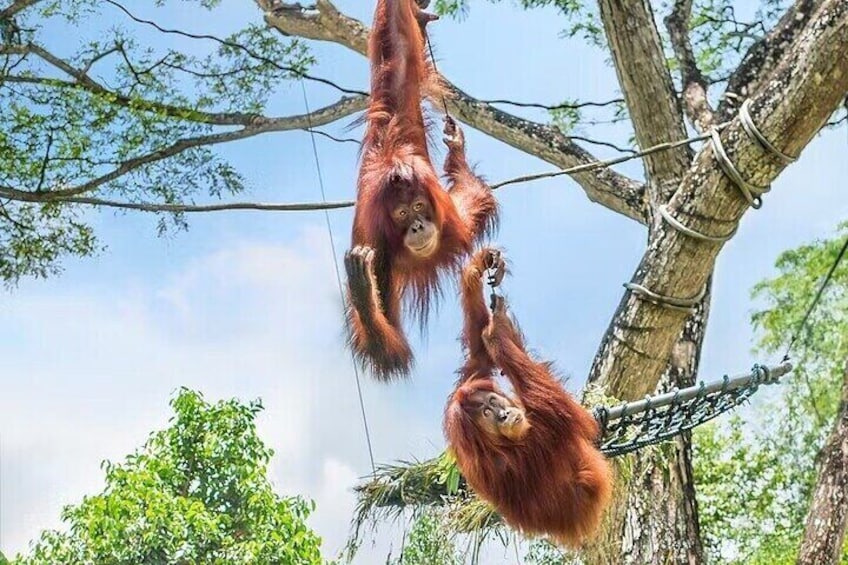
(245,304)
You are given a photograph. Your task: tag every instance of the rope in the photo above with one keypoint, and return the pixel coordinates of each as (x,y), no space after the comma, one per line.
(755,134)
(606,163)
(818,295)
(338,273)
(680,304)
(751,192)
(676,224)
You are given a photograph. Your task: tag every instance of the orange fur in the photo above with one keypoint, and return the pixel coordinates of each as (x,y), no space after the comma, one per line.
(395,168)
(554,481)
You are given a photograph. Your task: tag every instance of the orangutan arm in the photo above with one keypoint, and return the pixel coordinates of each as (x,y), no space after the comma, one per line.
(475,313)
(472,196)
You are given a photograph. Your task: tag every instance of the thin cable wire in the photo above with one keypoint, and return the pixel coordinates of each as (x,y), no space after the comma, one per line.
(815,301)
(338,273)
(23,196)
(812,307)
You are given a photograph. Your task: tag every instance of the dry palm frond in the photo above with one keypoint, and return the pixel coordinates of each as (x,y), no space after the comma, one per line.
(416,486)
(472,515)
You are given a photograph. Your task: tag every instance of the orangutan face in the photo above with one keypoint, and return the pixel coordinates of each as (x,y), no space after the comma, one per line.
(499,415)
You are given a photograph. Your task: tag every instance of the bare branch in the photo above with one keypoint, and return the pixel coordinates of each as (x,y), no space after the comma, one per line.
(695,101)
(254,55)
(45,162)
(16,6)
(42,197)
(99,57)
(764,55)
(322,21)
(648,89)
(603,144)
(563,106)
(323,116)
(804,92)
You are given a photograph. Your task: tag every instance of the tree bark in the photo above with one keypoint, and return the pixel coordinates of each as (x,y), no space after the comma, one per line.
(15,7)
(765,55)
(826,521)
(655,519)
(655,514)
(803,92)
(647,88)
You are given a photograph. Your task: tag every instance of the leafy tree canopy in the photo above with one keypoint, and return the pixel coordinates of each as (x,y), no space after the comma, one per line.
(755,475)
(124,108)
(197,492)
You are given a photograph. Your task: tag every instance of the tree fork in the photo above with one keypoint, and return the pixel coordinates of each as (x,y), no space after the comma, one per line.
(803,92)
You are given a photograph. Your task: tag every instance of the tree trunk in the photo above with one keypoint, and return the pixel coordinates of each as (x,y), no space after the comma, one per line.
(826,521)
(655,513)
(654,519)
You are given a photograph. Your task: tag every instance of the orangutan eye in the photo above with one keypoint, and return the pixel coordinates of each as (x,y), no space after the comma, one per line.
(418,206)
(400,213)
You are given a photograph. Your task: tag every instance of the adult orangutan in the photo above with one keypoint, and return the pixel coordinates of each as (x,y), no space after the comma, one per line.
(533,457)
(407,229)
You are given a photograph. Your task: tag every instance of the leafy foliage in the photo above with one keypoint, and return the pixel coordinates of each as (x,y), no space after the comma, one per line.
(752,493)
(755,476)
(126,112)
(197,492)
(428,542)
(542,552)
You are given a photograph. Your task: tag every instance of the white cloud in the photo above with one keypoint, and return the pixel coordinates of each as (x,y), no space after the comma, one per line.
(96,368)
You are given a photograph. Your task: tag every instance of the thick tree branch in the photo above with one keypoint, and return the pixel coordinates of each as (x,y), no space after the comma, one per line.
(804,91)
(15,7)
(764,55)
(654,516)
(322,21)
(695,101)
(323,116)
(648,89)
(44,197)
